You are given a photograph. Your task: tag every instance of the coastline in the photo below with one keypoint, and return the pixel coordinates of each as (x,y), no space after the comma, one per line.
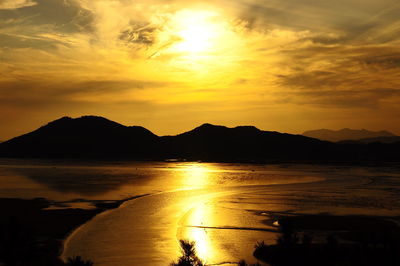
(36,229)
(324,239)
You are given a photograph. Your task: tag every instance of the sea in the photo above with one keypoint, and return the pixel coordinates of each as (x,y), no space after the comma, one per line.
(225,208)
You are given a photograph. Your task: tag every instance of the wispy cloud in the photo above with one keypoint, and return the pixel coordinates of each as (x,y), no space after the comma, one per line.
(279,63)
(14,4)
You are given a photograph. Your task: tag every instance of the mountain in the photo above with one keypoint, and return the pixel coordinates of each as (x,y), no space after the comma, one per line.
(346,134)
(87,136)
(244,143)
(97,137)
(387,140)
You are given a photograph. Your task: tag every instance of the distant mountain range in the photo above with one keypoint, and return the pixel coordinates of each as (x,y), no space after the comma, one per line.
(351,134)
(386,140)
(98,137)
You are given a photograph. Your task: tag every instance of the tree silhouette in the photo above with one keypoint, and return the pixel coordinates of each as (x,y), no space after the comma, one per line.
(189,256)
(78,261)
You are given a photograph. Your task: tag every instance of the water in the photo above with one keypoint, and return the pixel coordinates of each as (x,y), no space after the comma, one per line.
(225,208)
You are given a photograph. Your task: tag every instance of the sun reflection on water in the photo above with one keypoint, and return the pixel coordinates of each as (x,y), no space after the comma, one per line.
(194,230)
(200,215)
(196,175)
(199,235)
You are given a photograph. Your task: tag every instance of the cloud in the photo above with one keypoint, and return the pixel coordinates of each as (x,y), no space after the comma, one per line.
(39,92)
(47,16)
(15,4)
(342,77)
(347,99)
(268,60)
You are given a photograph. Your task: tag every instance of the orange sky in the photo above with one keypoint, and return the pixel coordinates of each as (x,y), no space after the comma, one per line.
(284,65)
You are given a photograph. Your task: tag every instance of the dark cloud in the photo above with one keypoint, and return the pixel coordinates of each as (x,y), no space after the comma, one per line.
(138,33)
(387,61)
(64,16)
(342,76)
(372,21)
(15,4)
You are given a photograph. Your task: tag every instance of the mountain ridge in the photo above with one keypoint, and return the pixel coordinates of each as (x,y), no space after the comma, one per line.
(85,136)
(387,140)
(98,137)
(346,134)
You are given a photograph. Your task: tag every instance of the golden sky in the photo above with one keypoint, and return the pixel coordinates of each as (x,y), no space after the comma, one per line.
(284,65)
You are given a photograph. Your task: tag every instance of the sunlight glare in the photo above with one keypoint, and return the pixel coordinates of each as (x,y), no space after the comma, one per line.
(197,31)
(200,45)
(196,175)
(199,235)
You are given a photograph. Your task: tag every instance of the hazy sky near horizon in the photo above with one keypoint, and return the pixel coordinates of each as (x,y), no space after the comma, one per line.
(170,65)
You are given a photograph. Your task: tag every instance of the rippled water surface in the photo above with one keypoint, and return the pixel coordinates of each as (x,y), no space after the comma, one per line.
(225,208)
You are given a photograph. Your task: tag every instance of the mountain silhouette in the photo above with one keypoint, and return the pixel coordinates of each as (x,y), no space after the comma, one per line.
(98,137)
(346,134)
(87,136)
(241,143)
(387,140)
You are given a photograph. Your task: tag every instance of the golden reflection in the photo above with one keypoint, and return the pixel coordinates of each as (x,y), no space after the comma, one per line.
(199,235)
(196,175)
(199,218)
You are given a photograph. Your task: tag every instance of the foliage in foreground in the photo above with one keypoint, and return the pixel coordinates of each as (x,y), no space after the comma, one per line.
(367,249)
(78,261)
(189,256)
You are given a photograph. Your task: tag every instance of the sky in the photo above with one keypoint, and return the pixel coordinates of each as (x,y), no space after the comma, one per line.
(171,65)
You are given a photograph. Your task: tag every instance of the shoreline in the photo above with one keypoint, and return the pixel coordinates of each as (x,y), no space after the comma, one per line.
(36,229)
(325,239)
(104,206)
(112,160)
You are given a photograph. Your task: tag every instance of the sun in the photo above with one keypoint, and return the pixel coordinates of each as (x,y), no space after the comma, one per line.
(202,42)
(196,31)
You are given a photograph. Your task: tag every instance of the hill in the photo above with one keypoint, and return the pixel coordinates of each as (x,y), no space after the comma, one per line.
(98,137)
(346,134)
(387,140)
(244,143)
(87,136)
